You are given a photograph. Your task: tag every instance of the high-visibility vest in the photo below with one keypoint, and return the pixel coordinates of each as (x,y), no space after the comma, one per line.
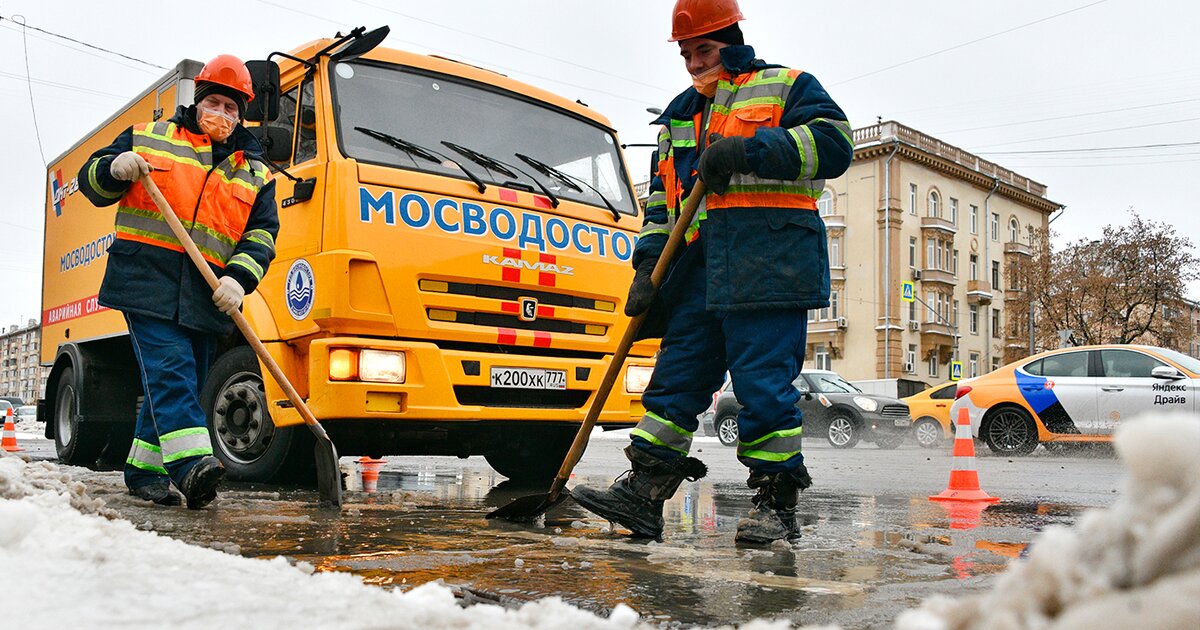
(742,104)
(213,203)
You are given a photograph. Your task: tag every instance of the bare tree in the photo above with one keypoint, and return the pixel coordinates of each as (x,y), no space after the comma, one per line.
(1126,287)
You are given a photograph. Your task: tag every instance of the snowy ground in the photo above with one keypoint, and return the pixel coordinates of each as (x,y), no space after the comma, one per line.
(1136,564)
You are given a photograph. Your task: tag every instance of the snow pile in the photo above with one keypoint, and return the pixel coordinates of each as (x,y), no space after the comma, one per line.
(1136,564)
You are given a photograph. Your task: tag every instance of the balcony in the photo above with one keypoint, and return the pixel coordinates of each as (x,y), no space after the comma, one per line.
(933,330)
(938,224)
(938,275)
(831,332)
(834,221)
(837,273)
(979,291)
(1021,249)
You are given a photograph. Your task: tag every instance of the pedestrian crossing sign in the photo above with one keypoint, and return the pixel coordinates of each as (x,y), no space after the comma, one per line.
(956,370)
(907,293)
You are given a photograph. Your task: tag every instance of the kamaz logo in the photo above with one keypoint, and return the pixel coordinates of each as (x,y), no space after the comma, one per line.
(517,263)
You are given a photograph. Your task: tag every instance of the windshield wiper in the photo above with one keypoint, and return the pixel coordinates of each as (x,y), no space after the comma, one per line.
(504,168)
(419,151)
(567,180)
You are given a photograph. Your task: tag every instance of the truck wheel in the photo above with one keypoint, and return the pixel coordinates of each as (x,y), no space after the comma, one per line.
(727,430)
(78,444)
(1010,431)
(534,459)
(842,432)
(928,432)
(244,438)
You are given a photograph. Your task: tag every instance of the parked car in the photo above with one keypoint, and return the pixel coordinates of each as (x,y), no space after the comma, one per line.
(930,411)
(5,406)
(1075,395)
(833,408)
(27,412)
(13,401)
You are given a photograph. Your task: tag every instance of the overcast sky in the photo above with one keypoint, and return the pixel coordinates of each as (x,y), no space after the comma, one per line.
(1018,75)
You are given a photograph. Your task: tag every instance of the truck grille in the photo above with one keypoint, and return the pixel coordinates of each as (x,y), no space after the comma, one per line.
(482,396)
(894,411)
(509,298)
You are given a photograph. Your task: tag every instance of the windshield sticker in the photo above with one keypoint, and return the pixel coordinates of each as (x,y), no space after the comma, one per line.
(526,230)
(301,289)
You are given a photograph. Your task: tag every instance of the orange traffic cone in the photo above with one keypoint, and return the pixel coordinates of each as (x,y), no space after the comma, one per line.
(370,472)
(964,478)
(9,441)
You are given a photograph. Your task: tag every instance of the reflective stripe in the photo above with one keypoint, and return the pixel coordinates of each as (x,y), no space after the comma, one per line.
(842,126)
(777,446)
(163,144)
(963,432)
(244,261)
(806,145)
(683,134)
(146,456)
(262,237)
(653,228)
(964,463)
(664,143)
(693,231)
(142,225)
(95,184)
(185,443)
(662,432)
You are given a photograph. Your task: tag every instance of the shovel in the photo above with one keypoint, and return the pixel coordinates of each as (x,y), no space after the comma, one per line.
(329,478)
(530,507)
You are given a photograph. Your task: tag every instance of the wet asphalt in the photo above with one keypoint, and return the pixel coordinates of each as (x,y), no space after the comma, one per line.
(873,543)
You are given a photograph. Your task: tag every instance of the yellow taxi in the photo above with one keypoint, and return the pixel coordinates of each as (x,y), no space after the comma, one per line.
(1074,395)
(930,411)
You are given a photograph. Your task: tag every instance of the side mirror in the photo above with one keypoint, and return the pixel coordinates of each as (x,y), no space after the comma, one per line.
(265,77)
(360,46)
(303,191)
(1166,372)
(276,142)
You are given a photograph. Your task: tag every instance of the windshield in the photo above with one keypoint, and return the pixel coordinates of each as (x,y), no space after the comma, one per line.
(428,110)
(830,384)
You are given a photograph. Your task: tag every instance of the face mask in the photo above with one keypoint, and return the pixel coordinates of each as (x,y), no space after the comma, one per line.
(217,124)
(706,82)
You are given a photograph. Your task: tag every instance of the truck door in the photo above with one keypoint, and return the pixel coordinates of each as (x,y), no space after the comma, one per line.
(1127,388)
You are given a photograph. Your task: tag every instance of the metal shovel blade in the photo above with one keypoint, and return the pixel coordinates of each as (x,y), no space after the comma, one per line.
(329,476)
(528,508)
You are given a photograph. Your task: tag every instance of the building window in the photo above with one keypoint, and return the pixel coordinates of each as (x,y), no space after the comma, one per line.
(974,266)
(973,365)
(996,275)
(954,315)
(934,203)
(931,299)
(973,318)
(974,217)
(996,323)
(834,303)
(912,311)
(825,204)
(995,227)
(821,358)
(1014,230)
(953,211)
(933,364)
(912,257)
(930,247)
(995,363)
(835,251)
(910,358)
(954,264)
(912,199)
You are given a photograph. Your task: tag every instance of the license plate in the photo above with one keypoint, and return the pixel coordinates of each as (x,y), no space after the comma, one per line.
(528,378)
(902,422)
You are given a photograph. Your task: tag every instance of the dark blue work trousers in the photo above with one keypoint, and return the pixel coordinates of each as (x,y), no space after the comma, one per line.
(763,351)
(172,432)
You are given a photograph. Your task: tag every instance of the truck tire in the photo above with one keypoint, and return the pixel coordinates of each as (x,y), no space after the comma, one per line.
(534,459)
(244,438)
(77,443)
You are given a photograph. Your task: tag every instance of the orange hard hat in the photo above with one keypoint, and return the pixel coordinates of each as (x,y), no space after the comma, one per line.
(693,18)
(229,71)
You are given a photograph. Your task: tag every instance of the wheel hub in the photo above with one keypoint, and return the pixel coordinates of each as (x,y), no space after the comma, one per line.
(728,431)
(839,431)
(243,428)
(927,433)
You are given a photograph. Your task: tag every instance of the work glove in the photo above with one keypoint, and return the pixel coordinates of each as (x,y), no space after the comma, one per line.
(228,296)
(641,290)
(129,166)
(722,158)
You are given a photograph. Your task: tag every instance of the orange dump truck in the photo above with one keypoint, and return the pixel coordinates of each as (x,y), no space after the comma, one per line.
(451,264)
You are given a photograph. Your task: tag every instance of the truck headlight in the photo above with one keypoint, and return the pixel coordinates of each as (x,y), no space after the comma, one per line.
(381,366)
(866,404)
(637,377)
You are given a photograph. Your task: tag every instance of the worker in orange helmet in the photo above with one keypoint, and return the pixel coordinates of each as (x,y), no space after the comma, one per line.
(762,138)
(212,172)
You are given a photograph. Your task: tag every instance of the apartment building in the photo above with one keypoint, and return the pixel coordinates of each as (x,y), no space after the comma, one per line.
(20,374)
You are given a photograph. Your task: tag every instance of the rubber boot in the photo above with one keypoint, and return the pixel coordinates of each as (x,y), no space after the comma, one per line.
(200,483)
(158,491)
(773,516)
(635,499)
